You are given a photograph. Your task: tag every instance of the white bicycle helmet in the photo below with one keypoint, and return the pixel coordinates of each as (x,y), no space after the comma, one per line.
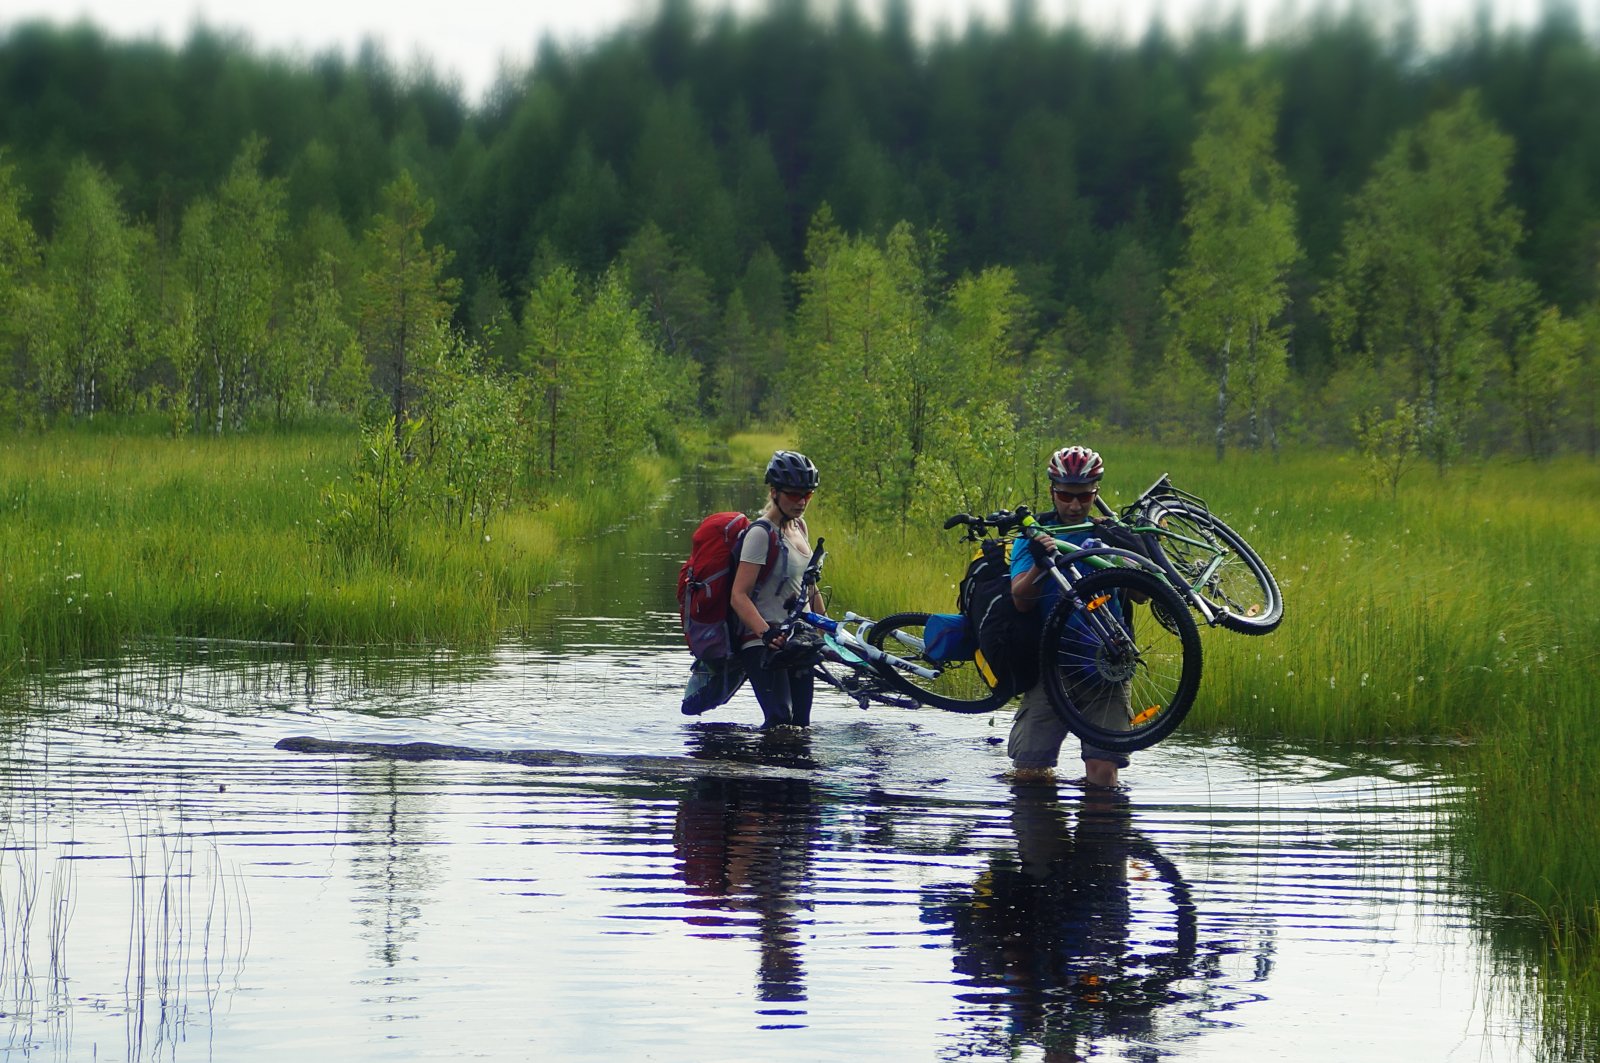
(1076,465)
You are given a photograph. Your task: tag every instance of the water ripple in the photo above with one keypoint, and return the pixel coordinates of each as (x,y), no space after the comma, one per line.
(890,892)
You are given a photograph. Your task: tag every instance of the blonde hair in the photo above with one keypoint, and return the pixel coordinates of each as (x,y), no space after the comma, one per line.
(771,511)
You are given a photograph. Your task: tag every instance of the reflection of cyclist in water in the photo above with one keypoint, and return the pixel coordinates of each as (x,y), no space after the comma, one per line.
(744,846)
(1048,934)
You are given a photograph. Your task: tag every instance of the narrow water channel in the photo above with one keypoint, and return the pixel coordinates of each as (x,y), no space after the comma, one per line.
(173,887)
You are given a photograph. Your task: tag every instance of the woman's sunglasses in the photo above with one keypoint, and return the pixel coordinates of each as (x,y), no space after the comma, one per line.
(1075,496)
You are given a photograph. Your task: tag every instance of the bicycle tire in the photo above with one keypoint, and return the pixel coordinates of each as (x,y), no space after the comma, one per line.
(960,687)
(1149,664)
(1242,590)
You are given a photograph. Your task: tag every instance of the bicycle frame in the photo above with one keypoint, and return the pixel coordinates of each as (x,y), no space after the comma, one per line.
(848,648)
(851,641)
(1098,557)
(1066,573)
(1133,518)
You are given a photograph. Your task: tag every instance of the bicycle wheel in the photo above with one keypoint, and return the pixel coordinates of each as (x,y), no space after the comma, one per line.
(1240,588)
(960,686)
(1121,670)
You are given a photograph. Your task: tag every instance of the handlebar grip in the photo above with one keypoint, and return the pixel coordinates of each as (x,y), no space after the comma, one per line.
(959,518)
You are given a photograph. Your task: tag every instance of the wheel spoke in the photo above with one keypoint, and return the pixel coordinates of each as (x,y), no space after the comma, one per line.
(960,686)
(1123,677)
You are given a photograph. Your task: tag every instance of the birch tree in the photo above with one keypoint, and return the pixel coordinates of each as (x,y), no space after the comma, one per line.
(84,350)
(1428,261)
(858,326)
(19,266)
(1228,294)
(230,247)
(1539,378)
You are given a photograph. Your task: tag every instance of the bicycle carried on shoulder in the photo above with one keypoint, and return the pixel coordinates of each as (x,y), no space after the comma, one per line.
(1223,578)
(1119,654)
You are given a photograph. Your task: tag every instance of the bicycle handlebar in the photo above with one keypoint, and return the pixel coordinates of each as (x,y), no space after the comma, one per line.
(1001,521)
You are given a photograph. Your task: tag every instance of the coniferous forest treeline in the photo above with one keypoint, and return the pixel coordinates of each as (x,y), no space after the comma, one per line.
(1333,237)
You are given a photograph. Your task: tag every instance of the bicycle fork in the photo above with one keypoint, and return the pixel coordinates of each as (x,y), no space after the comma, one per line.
(1121,653)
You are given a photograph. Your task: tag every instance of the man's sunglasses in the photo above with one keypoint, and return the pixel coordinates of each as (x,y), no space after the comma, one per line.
(1076,496)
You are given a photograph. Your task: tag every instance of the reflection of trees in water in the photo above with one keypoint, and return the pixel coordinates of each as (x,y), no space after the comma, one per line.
(1085,933)
(393,866)
(743,848)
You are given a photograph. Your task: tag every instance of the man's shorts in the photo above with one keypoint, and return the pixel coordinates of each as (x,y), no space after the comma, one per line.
(1037,731)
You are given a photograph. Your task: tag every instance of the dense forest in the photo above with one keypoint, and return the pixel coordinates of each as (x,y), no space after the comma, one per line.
(1332,237)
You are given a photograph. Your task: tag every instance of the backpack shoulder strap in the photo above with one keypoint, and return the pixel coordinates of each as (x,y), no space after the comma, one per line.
(775,544)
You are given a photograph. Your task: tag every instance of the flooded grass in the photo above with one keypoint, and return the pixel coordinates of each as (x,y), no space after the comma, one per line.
(874,883)
(110,538)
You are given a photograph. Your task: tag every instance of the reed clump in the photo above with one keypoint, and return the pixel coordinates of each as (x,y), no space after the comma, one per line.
(106,538)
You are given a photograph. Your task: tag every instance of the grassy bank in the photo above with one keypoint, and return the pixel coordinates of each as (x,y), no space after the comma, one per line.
(107,538)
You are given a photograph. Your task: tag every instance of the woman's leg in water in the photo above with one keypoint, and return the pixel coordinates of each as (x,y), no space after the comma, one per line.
(772,688)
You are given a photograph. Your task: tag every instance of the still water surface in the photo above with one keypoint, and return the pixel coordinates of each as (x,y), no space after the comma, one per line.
(173,887)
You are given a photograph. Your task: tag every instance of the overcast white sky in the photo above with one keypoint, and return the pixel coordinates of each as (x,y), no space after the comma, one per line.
(470,38)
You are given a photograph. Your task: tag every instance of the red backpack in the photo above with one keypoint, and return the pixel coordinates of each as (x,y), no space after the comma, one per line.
(705,582)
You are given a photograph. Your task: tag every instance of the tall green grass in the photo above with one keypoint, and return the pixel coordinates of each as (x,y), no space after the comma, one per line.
(107,538)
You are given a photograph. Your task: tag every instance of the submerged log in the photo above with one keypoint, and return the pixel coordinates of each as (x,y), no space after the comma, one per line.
(676,767)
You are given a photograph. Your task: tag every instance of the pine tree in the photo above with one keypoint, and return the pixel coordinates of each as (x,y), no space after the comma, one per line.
(406,296)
